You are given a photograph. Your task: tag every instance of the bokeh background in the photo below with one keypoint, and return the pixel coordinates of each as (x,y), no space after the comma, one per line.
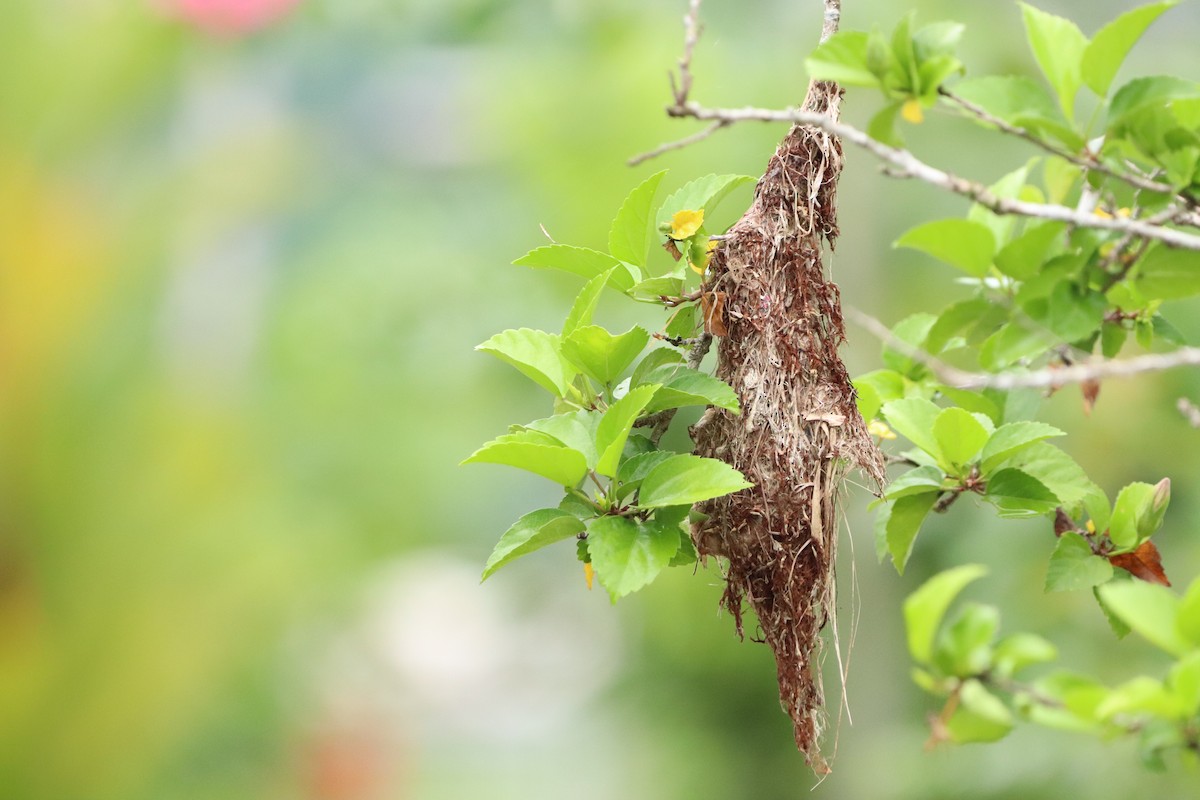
(246,248)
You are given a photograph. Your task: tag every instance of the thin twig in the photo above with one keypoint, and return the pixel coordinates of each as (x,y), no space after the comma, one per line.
(1047,378)
(678,144)
(691,34)
(903,164)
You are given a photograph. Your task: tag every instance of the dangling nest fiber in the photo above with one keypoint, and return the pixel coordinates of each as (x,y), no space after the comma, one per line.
(799,430)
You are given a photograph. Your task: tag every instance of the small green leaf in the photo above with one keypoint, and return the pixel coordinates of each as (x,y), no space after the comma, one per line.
(959,436)
(958,242)
(532,532)
(1018,101)
(1074,566)
(576,429)
(686,479)
(980,717)
(1023,256)
(912,330)
(659,357)
(924,608)
(1018,494)
(601,355)
(842,58)
(629,235)
(1055,470)
(903,523)
(1058,45)
(1102,58)
(615,426)
(1140,695)
(964,646)
(536,354)
(654,288)
(703,193)
(1019,650)
(585,303)
(913,418)
(1010,344)
(1142,94)
(627,555)
(683,386)
(562,465)
(1189,614)
(916,481)
(1011,185)
(633,470)
(1149,609)
(953,320)
(1138,512)
(1010,439)
(683,322)
(1169,273)
(582,261)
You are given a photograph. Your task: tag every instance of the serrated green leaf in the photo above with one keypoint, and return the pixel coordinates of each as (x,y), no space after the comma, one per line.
(582,261)
(615,426)
(1018,494)
(652,361)
(1023,256)
(532,532)
(964,646)
(563,465)
(953,320)
(1169,273)
(536,354)
(959,436)
(1011,343)
(633,470)
(654,288)
(1150,610)
(842,58)
(1058,45)
(687,479)
(703,193)
(601,355)
(1074,566)
(576,429)
(1057,471)
(629,234)
(903,524)
(1010,439)
(924,608)
(585,302)
(1103,57)
(958,242)
(916,481)
(913,418)
(682,324)
(980,716)
(627,555)
(683,386)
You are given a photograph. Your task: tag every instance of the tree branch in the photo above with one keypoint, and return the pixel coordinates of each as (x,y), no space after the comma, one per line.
(678,144)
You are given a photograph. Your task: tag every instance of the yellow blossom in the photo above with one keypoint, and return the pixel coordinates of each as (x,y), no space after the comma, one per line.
(912,111)
(685,223)
(878,428)
(588,574)
(1091,526)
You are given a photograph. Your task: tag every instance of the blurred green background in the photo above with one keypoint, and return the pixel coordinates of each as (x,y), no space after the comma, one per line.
(243,264)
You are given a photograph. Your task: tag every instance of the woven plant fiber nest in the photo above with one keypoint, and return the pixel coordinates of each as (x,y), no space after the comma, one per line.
(799,432)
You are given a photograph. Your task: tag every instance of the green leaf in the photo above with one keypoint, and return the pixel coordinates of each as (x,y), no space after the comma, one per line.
(882,125)
(654,288)
(924,608)
(629,235)
(1149,609)
(1023,256)
(1138,512)
(582,261)
(532,532)
(964,646)
(683,322)
(585,303)
(959,436)
(842,58)
(1188,621)
(1169,273)
(953,320)
(1019,650)
(576,429)
(1058,45)
(1057,471)
(1019,494)
(627,555)
(1010,439)
(634,470)
(958,242)
(1019,101)
(903,523)
(913,418)
(1010,185)
(615,426)
(683,386)
(1011,343)
(911,330)
(652,361)
(1103,57)
(916,481)
(703,193)
(600,354)
(1140,695)
(686,479)
(1074,566)
(980,717)
(536,354)
(1140,94)
(523,450)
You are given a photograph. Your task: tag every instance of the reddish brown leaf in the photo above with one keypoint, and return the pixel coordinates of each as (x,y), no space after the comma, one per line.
(713,306)
(1144,562)
(1062,523)
(672,248)
(1090,391)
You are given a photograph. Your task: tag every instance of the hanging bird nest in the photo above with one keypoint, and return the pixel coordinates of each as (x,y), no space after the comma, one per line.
(799,431)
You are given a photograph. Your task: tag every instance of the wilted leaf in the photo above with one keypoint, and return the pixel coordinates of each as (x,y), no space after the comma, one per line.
(713,309)
(1145,562)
